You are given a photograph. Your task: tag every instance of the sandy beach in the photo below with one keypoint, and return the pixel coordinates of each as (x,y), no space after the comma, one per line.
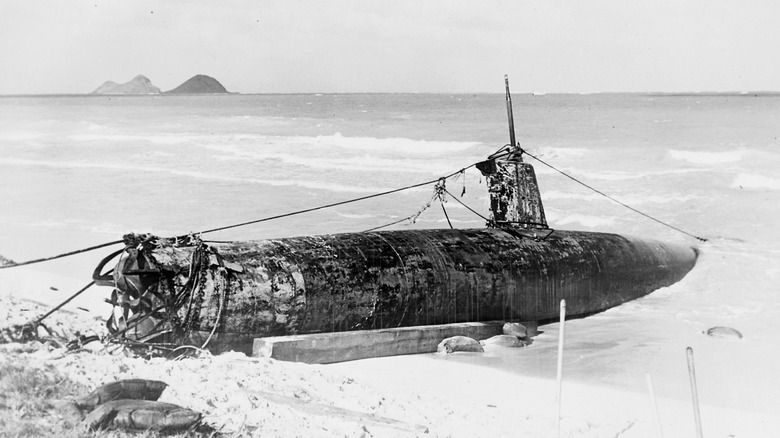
(418,395)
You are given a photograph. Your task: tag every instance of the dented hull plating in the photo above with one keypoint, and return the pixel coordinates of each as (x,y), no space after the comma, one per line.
(405,278)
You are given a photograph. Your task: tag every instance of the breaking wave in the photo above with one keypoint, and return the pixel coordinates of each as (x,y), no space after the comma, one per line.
(160,139)
(309,184)
(358,154)
(365,163)
(395,145)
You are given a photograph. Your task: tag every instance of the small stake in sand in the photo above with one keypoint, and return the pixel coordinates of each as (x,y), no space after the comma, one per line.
(653,403)
(694,392)
(560,363)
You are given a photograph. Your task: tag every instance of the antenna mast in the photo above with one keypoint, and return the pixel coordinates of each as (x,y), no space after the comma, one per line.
(509,115)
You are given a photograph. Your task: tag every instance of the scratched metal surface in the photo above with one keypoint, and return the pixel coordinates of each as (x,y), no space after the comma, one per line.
(357,281)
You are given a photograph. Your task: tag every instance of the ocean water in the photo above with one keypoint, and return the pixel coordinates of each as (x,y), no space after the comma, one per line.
(76,171)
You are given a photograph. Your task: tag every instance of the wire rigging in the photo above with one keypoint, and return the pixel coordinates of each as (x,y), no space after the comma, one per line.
(439,192)
(59,256)
(613,199)
(469,208)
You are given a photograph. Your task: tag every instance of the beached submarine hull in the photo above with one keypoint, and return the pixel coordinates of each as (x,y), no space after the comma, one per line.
(376,280)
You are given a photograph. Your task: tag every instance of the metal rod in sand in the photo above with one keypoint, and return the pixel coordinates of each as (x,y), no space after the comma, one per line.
(653,403)
(694,392)
(560,362)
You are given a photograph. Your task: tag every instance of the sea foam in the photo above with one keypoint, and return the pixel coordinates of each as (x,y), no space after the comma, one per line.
(556,219)
(701,157)
(748,181)
(395,145)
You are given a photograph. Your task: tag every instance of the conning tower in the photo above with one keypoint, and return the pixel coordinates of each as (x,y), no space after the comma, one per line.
(515,200)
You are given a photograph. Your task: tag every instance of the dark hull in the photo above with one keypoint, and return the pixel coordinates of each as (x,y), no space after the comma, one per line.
(405,278)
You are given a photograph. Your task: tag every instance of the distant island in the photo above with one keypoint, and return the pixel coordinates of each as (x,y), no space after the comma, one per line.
(198,84)
(138,85)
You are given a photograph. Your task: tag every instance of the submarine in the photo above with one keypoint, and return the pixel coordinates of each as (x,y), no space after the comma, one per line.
(186,291)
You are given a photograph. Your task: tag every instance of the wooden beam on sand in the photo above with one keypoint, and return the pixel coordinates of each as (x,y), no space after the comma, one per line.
(364,344)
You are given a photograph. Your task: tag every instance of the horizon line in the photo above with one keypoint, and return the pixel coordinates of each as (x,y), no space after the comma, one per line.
(533,93)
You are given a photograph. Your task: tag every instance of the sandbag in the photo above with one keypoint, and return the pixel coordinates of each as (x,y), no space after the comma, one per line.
(508,341)
(459,343)
(141,415)
(129,404)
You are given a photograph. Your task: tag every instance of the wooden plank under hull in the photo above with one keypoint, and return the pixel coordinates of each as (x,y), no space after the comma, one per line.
(362,344)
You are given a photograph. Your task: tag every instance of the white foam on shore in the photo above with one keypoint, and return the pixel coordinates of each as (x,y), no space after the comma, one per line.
(50,289)
(748,181)
(355,216)
(583,219)
(705,157)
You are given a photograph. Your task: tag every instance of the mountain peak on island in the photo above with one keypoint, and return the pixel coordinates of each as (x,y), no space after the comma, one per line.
(138,85)
(199,84)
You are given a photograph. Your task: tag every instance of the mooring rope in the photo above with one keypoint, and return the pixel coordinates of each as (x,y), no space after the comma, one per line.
(59,306)
(265,219)
(336,204)
(408,218)
(59,256)
(702,239)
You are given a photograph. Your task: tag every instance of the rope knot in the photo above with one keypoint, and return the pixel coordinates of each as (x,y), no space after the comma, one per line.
(440,189)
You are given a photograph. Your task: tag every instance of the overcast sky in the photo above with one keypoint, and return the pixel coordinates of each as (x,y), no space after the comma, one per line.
(289,46)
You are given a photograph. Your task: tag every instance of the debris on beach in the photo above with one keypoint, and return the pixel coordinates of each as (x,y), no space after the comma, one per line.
(459,343)
(21,323)
(506,341)
(724,333)
(515,329)
(130,404)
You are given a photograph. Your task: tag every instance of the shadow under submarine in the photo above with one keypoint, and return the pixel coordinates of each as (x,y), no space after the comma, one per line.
(223,295)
